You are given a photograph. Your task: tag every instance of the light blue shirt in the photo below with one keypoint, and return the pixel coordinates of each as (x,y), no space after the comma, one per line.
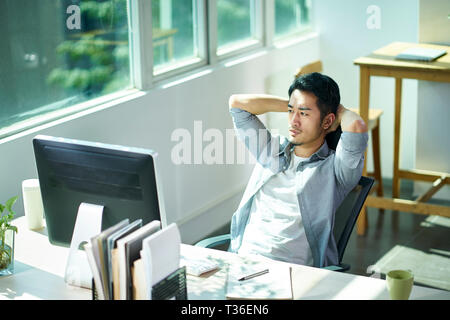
(324,181)
(275,229)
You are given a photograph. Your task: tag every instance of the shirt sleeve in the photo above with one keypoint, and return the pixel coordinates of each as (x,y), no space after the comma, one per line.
(349,158)
(256,137)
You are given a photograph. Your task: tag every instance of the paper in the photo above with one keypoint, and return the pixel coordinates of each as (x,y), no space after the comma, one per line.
(139,282)
(275,284)
(161,255)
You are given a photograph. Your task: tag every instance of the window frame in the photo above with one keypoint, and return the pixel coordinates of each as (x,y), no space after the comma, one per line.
(240,47)
(174,69)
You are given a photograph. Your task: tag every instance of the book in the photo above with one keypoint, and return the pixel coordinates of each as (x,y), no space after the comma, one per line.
(421,54)
(100,243)
(111,243)
(274,281)
(128,250)
(161,255)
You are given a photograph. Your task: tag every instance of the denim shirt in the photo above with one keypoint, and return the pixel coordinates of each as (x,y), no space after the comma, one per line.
(325,179)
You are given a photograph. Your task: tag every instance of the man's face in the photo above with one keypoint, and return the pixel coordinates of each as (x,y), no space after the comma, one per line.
(304,119)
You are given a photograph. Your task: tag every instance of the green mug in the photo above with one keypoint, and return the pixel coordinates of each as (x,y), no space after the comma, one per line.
(399,284)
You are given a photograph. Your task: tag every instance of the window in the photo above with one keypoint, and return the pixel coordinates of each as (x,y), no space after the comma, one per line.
(59,56)
(236,24)
(56,54)
(291,16)
(176,35)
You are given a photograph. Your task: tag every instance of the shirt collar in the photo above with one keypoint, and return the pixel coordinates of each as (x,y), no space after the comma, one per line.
(321,154)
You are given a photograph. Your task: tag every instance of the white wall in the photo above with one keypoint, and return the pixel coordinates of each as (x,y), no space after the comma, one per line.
(345,36)
(199,197)
(433,145)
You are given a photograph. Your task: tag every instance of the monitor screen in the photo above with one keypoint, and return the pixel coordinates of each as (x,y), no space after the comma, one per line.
(122,179)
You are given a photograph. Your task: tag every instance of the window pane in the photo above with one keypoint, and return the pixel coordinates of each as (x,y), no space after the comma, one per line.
(174,32)
(291,16)
(234,21)
(57,53)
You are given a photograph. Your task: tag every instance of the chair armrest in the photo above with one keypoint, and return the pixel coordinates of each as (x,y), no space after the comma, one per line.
(340,268)
(214,241)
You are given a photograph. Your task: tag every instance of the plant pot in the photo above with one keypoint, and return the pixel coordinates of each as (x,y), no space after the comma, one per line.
(7,254)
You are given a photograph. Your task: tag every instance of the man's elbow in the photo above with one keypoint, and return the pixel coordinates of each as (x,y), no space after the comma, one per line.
(358,126)
(233,101)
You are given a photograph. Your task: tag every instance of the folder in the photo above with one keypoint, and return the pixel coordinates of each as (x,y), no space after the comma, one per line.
(137,262)
(421,54)
(129,249)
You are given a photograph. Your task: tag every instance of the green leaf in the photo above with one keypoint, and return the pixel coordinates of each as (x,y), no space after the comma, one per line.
(2,207)
(10,202)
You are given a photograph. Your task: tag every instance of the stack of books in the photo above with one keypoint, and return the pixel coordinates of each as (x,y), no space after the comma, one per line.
(128,259)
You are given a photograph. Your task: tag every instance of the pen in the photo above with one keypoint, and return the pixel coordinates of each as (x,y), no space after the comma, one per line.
(260,273)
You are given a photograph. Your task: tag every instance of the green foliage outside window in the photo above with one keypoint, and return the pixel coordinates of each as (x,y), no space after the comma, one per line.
(233,21)
(96,57)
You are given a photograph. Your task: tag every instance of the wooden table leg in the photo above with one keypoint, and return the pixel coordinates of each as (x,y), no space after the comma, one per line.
(397,121)
(364,93)
(376,158)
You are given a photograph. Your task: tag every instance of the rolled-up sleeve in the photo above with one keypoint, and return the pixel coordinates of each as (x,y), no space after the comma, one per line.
(254,134)
(349,158)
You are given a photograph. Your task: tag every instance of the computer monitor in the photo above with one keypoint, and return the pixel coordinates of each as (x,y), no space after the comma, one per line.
(122,179)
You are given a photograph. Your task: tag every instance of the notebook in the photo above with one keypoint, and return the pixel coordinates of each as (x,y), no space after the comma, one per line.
(274,285)
(421,54)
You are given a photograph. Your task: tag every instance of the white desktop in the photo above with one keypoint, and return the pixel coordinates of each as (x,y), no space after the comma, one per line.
(40,267)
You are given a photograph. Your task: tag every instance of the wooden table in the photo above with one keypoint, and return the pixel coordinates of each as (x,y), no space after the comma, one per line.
(382,62)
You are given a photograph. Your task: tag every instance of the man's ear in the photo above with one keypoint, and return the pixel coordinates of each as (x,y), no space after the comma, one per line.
(328,121)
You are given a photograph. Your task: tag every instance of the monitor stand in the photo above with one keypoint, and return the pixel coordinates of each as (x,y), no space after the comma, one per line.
(88,224)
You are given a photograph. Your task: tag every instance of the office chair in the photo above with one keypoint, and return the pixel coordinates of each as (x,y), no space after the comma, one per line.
(345,219)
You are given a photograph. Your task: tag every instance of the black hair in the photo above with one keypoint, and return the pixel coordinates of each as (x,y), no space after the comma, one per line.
(323,87)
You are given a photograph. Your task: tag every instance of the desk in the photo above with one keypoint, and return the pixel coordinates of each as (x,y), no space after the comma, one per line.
(40,275)
(382,62)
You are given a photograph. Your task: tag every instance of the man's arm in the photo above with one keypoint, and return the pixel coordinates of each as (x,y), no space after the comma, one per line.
(258,103)
(244,109)
(349,159)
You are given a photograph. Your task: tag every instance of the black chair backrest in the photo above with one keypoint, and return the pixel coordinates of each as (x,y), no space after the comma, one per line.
(348,212)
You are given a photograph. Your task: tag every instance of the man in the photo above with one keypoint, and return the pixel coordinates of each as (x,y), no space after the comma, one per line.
(287,211)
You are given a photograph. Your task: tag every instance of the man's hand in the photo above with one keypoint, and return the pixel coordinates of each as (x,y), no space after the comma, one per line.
(349,121)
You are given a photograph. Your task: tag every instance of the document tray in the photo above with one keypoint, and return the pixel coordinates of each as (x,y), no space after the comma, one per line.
(173,286)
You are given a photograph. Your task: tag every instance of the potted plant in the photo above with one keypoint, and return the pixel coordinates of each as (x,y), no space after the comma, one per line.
(7,232)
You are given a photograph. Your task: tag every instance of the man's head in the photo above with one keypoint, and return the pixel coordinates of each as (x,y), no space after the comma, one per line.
(313,102)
